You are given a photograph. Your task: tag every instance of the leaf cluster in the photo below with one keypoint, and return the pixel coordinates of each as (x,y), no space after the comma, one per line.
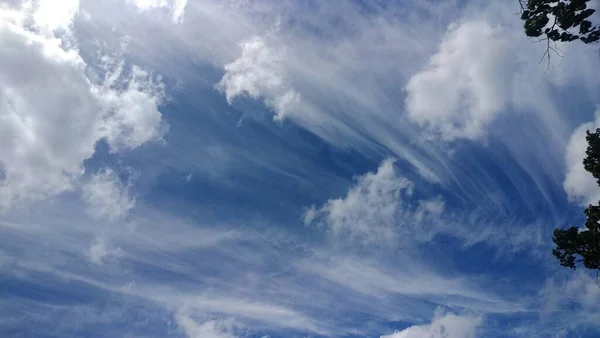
(582,246)
(559,20)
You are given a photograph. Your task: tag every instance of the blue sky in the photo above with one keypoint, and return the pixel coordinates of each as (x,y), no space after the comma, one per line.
(224,169)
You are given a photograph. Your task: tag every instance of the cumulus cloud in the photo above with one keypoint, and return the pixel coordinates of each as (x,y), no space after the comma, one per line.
(259,73)
(107,196)
(443,325)
(378,209)
(52,113)
(208,329)
(369,211)
(54,15)
(177,7)
(465,84)
(132,117)
(580,185)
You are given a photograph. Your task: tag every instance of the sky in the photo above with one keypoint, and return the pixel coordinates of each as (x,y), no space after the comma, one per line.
(235,168)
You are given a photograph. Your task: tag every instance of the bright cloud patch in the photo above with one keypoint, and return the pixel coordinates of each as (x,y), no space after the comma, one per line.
(55,14)
(369,211)
(177,7)
(52,114)
(443,325)
(209,329)
(259,73)
(579,184)
(466,84)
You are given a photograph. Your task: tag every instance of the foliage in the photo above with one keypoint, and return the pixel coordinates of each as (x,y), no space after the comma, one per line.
(575,245)
(559,20)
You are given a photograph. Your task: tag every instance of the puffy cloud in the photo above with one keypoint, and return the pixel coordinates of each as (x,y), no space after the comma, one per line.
(368,212)
(466,84)
(208,329)
(379,210)
(257,73)
(443,325)
(580,185)
(177,7)
(53,14)
(131,115)
(52,114)
(107,196)
(48,111)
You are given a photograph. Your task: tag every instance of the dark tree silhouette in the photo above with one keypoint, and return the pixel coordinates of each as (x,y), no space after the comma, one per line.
(582,246)
(567,21)
(559,20)
(555,21)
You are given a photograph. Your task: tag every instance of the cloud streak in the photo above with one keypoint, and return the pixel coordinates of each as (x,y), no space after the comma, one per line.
(419,133)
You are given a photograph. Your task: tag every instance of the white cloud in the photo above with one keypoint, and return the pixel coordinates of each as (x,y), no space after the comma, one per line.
(132,117)
(374,279)
(177,7)
(52,14)
(253,311)
(107,196)
(52,114)
(380,210)
(100,249)
(579,184)
(49,112)
(466,84)
(443,325)
(208,329)
(368,213)
(221,274)
(257,73)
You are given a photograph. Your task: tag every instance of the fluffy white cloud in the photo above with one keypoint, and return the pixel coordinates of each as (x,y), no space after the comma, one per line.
(107,196)
(177,7)
(52,114)
(369,211)
(54,14)
(443,325)
(379,210)
(579,184)
(466,84)
(131,116)
(257,73)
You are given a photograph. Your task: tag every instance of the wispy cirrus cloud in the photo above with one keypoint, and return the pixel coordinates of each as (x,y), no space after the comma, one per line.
(460,221)
(107,196)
